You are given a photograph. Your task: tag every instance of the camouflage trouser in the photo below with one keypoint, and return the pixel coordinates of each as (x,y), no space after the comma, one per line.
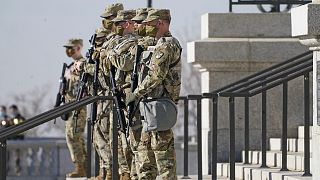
(134,136)
(101,135)
(124,152)
(75,141)
(157,155)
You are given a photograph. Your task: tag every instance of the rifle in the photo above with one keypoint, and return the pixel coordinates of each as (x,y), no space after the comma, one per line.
(134,85)
(83,80)
(60,96)
(62,88)
(118,103)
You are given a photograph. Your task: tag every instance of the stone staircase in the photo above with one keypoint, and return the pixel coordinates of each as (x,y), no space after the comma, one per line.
(252,171)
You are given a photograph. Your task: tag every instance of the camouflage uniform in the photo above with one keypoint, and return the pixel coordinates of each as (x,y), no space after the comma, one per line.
(159,77)
(101,133)
(122,56)
(75,140)
(124,152)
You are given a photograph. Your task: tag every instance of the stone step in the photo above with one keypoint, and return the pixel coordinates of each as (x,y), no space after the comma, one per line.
(295,160)
(254,172)
(293,145)
(204,177)
(301,132)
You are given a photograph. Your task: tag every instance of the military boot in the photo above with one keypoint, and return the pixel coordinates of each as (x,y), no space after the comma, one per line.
(101,176)
(79,171)
(125,176)
(109,175)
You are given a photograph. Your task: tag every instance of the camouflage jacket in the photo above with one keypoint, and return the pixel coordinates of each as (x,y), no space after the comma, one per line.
(159,74)
(72,78)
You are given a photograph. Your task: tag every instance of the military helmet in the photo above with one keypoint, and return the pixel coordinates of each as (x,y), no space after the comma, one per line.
(102,32)
(112,10)
(124,15)
(73,42)
(141,14)
(156,14)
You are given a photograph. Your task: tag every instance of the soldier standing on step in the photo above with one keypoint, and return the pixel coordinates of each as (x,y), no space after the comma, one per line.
(75,140)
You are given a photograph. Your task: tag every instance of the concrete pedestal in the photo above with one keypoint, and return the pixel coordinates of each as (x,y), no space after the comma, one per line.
(234,46)
(306,26)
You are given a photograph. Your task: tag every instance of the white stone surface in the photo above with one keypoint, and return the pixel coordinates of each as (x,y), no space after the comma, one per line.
(305,20)
(245,25)
(301,132)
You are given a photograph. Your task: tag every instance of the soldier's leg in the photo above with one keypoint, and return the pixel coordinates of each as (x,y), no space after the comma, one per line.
(162,143)
(102,135)
(75,142)
(123,157)
(134,136)
(146,163)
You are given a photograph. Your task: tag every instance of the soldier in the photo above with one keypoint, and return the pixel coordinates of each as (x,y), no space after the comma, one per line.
(74,139)
(122,57)
(101,134)
(158,79)
(109,14)
(124,29)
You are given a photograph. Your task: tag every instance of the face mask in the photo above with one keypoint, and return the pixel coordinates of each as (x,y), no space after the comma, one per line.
(70,52)
(151,31)
(107,23)
(119,30)
(99,44)
(140,30)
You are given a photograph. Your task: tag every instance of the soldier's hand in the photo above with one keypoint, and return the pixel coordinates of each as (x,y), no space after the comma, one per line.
(130,97)
(95,55)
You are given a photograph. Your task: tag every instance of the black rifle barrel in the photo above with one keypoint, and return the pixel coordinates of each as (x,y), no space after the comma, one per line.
(62,80)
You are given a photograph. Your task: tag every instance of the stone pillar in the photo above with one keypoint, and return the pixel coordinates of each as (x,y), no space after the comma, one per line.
(233,46)
(306,25)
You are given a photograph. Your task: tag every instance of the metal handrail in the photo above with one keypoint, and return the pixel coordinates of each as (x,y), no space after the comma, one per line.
(283,74)
(48,116)
(252,85)
(265,71)
(280,71)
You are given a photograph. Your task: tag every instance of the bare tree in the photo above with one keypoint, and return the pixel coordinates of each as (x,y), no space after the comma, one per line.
(34,102)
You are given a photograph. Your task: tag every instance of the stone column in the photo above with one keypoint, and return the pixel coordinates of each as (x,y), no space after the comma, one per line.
(306,25)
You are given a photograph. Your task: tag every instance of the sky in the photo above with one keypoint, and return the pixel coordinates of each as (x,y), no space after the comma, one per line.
(32,33)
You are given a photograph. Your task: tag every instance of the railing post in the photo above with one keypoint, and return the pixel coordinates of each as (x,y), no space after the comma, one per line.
(115,174)
(96,163)
(186,138)
(89,147)
(199,139)
(198,98)
(284,126)
(264,130)
(3,160)
(232,158)
(306,126)
(214,131)
(246,130)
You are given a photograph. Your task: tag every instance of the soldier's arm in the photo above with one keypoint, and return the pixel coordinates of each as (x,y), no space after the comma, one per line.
(124,59)
(159,68)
